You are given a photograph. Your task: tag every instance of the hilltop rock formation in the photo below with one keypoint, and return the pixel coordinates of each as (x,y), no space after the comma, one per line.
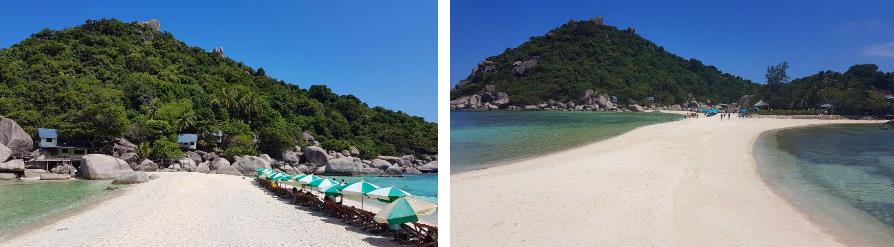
(153,24)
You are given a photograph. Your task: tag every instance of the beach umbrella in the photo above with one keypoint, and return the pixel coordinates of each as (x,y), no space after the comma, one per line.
(307,179)
(359,188)
(334,190)
(284,177)
(387,194)
(405,209)
(322,183)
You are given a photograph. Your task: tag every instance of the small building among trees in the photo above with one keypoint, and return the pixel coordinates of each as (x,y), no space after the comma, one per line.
(187,141)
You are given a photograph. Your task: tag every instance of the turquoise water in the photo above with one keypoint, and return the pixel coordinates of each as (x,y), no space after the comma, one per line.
(425,185)
(841,176)
(482,139)
(28,202)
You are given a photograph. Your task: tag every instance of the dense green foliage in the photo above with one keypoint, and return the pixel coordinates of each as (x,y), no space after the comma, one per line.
(108,79)
(859,91)
(583,55)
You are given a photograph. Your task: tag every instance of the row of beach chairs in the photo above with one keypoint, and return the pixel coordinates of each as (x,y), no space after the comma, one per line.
(418,234)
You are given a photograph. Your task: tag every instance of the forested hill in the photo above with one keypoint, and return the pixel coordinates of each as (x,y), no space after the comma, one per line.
(580,55)
(107,79)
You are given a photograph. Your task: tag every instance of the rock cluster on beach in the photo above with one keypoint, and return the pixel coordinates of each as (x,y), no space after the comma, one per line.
(120,162)
(15,144)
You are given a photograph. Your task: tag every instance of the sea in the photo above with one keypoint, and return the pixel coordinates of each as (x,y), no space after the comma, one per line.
(26,203)
(485,139)
(840,176)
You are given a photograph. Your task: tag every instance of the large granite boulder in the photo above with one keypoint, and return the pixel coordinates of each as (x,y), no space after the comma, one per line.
(291,157)
(194,156)
(316,155)
(203,168)
(13,165)
(354,151)
(394,170)
(7,176)
(501,100)
(131,178)
(120,146)
(218,163)
(380,164)
(209,156)
(302,169)
(309,138)
(5,152)
(635,108)
(412,170)
(343,166)
(227,169)
(249,164)
(54,176)
(430,167)
(147,166)
(266,158)
(187,164)
(101,166)
(391,159)
(15,138)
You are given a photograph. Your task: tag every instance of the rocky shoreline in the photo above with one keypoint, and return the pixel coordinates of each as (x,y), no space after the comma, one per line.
(120,162)
(490,99)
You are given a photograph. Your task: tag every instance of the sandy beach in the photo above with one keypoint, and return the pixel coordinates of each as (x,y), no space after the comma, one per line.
(686,183)
(194,209)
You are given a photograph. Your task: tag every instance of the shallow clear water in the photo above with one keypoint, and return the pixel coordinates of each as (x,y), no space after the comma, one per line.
(27,202)
(482,139)
(842,176)
(424,185)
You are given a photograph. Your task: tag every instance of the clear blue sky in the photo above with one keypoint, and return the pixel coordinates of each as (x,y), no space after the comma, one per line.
(740,38)
(383,52)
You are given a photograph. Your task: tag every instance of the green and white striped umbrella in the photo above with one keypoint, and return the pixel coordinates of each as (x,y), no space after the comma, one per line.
(405,209)
(284,177)
(387,194)
(274,176)
(359,188)
(334,190)
(307,179)
(322,183)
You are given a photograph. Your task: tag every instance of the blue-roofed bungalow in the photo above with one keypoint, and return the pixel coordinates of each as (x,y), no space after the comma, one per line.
(53,152)
(187,141)
(49,138)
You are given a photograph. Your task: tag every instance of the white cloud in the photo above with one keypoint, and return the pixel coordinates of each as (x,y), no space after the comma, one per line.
(880,50)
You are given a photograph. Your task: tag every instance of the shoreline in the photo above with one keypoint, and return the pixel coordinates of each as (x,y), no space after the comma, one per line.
(499,163)
(195,209)
(678,200)
(843,231)
(66,213)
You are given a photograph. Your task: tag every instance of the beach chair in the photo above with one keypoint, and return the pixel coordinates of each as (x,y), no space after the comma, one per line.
(408,235)
(429,233)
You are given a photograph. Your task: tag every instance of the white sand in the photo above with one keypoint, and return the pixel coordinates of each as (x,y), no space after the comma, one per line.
(193,209)
(686,183)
